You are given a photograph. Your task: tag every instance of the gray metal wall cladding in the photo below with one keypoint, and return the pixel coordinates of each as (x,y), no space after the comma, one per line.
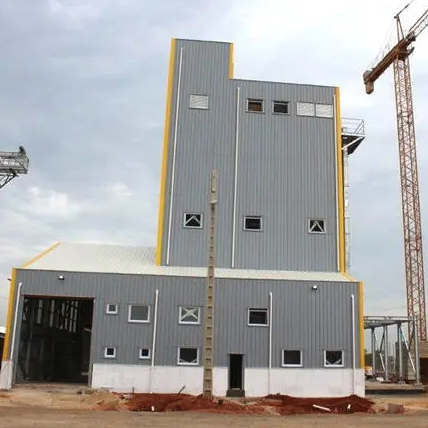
(286,169)
(302,319)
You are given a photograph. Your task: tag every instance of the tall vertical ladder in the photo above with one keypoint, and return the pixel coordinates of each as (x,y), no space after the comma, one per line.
(209,307)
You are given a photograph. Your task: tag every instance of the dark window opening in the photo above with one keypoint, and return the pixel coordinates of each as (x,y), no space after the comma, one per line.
(144,353)
(188,356)
(193,221)
(139,313)
(333,358)
(291,358)
(316,226)
(281,107)
(253,223)
(110,352)
(258,317)
(255,105)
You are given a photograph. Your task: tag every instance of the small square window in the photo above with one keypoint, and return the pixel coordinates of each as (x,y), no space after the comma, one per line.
(255,106)
(112,309)
(109,352)
(144,354)
(192,221)
(200,102)
(188,356)
(333,358)
(138,313)
(190,315)
(252,223)
(305,109)
(258,317)
(291,358)
(316,226)
(281,107)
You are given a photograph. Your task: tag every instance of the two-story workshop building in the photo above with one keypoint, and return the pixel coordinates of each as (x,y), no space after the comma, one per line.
(288,318)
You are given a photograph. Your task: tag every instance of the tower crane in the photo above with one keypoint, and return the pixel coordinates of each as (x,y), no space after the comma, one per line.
(398,56)
(13,164)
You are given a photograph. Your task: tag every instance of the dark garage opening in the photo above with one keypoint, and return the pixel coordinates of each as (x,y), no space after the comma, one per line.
(55,340)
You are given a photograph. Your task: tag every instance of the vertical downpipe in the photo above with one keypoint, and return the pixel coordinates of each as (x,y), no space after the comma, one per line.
(174,155)
(235,189)
(270,344)
(153,351)
(347,212)
(354,347)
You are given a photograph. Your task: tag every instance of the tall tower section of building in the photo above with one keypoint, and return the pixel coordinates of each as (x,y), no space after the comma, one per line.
(278,151)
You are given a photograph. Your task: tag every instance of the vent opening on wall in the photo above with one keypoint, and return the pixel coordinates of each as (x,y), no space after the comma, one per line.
(200,102)
(281,107)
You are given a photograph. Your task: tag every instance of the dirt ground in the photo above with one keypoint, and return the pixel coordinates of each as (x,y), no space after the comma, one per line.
(52,407)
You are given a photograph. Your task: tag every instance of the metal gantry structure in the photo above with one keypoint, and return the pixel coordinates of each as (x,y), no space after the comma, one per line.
(398,56)
(13,164)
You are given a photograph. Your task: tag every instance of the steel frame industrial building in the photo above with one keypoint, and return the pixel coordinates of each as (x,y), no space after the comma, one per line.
(287,318)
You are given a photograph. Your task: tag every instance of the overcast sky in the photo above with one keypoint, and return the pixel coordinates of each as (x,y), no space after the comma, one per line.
(82,88)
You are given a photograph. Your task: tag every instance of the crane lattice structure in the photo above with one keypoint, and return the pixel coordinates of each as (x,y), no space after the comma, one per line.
(13,164)
(398,56)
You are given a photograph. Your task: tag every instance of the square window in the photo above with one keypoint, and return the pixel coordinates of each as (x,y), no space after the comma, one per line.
(192,221)
(305,109)
(144,354)
(252,223)
(112,308)
(258,316)
(188,356)
(190,315)
(255,105)
(200,102)
(109,352)
(291,358)
(281,107)
(316,226)
(333,358)
(324,110)
(139,313)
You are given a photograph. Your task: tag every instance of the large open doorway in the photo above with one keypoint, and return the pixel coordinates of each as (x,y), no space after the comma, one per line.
(236,376)
(55,340)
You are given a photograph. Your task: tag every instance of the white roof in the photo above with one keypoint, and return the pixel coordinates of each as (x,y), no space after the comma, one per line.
(2,330)
(103,258)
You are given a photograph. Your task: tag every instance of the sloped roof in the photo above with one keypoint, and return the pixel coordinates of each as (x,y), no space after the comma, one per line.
(105,258)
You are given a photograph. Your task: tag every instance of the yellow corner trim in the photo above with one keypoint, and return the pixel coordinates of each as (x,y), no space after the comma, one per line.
(41,255)
(340,185)
(164,167)
(9,321)
(361,322)
(231,64)
(346,275)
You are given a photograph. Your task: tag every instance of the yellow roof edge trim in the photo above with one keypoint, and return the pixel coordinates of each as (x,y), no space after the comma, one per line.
(40,256)
(231,63)
(346,275)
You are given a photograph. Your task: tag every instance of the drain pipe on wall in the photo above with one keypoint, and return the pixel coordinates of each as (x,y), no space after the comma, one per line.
(353,342)
(155,324)
(270,344)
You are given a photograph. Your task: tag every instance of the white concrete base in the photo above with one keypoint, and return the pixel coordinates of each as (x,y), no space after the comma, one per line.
(163,379)
(6,374)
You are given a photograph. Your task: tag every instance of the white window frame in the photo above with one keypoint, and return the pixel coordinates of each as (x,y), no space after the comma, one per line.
(187,364)
(291,365)
(333,365)
(317,220)
(110,356)
(192,215)
(140,357)
(308,105)
(253,217)
(138,321)
(189,310)
(199,102)
(258,310)
(249,100)
(281,102)
(115,311)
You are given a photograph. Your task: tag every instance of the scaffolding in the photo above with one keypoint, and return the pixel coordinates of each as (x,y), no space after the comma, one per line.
(13,164)
(404,366)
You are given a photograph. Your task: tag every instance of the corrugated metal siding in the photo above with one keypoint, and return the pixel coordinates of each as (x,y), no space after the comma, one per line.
(311,321)
(286,169)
